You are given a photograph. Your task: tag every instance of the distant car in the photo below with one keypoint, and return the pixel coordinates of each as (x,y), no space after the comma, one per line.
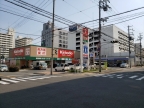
(62,67)
(124,65)
(3,68)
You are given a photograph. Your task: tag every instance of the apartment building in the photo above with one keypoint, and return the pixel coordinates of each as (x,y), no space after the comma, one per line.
(60,37)
(7,41)
(22,41)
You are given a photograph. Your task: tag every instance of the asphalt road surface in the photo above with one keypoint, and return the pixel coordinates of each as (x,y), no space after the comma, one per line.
(119,90)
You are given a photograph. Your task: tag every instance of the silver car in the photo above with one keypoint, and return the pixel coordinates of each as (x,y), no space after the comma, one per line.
(3,68)
(124,65)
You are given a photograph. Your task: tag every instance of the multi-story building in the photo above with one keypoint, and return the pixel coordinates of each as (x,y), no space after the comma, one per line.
(7,41)
(20,41)
(60,37)
(114,51)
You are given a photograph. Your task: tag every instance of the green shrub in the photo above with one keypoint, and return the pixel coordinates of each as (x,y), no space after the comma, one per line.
(14,69)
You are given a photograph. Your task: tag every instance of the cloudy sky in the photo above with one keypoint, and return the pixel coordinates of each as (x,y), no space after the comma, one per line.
(78,11)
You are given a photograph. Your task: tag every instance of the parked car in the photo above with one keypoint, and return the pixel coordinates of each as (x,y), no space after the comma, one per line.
(62,67)
(76,67)
(124,65)
(3,68)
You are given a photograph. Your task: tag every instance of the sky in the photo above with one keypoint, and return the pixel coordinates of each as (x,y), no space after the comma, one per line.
(78,11)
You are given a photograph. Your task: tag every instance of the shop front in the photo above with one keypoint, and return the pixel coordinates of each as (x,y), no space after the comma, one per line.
(24,56)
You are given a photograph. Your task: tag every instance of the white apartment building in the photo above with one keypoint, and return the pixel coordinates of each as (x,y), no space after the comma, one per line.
(20,41)
(114,51)
(60,37)
(7,41)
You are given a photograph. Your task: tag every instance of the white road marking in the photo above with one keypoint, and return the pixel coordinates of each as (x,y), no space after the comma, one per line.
(4,83)
(133,76)
(13,81)
(18,79)
(140,78)
(119,77)
(99,75)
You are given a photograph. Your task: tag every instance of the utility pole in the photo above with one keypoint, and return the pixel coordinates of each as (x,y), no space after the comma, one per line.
(140,38)
(102,5)
(52,38)
(129,39)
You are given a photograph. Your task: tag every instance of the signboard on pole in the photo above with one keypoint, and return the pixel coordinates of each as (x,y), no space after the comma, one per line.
(85,34)
(85,51)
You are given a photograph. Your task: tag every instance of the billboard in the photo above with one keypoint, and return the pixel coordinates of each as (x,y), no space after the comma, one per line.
(41,51)
(73,28)
(85,34)
(18,52)
(85,51)
(62,53)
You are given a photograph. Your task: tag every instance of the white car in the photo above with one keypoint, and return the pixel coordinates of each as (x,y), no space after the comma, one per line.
(62,67)
(3,68)
(124,65)
(76,67)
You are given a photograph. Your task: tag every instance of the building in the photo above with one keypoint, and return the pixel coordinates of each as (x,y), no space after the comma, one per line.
(20,41)
(60,37)
(138,55)
(115,52)
(7,41)
(23,56)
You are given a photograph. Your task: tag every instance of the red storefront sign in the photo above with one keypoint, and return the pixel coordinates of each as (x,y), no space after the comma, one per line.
(85,34)
(41,51)
(18,52)
(65,53)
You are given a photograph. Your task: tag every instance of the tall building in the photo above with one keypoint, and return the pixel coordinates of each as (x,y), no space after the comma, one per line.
(7,41)
(20,41)
(109,50)
(60,37)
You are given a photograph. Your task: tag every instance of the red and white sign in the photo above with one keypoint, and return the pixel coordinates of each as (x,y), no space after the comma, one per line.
(85,34)
(41,51)
(65,53)
(27,51)
(18,52)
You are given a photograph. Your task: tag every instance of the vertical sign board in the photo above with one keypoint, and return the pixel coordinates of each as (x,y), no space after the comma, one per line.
(85,34)
(27,51)
(85,51)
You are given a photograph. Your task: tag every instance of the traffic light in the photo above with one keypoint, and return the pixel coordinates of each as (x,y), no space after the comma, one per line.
(115,41)
(55,51)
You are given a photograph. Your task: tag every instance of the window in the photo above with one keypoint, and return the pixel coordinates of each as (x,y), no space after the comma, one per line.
(60,36)
(60,41)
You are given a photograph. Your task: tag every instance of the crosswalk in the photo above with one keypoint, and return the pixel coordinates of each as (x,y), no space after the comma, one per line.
(7,81)
(138,77)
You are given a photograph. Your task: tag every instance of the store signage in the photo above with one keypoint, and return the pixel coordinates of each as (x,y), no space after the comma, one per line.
(41,51)
(85,51)
(73,28)
(18,52)
(85,34)
(65,53)
(27,51)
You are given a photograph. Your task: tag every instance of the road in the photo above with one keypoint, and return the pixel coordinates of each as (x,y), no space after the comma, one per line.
(114,90)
